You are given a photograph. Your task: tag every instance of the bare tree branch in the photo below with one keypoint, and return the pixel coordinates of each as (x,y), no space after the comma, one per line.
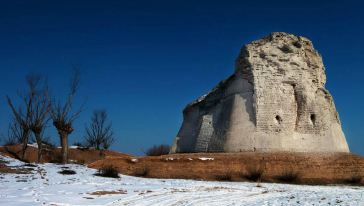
(99,133)
(40,109)
(14,135)
(63,115)
(24,117)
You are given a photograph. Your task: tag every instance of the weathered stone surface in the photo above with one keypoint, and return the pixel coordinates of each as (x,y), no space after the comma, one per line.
(275,101)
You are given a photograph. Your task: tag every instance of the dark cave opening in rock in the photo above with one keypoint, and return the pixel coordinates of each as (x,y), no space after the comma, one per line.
(313,119)
(279,119)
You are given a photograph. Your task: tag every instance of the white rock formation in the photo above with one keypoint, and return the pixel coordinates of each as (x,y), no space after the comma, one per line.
(275,101)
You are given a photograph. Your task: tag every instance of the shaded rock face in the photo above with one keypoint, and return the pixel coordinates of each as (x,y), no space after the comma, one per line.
(275,101)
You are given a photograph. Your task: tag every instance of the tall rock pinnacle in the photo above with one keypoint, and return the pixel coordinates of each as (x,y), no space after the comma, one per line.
(275,101)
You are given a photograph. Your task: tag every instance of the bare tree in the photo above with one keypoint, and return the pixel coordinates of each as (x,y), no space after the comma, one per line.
(22,115)
(39,111)
(34,119)
(99,133)
(63,115)
(14,135)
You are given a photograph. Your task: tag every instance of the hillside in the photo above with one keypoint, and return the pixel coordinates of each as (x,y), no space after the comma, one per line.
(301,168)
(309,168)
(43,185)
(76,155)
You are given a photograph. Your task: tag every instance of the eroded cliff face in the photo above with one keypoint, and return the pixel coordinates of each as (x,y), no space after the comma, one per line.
(275,101)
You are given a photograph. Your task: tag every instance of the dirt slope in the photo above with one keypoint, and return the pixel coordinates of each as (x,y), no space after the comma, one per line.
(82,156)
(314,168)
(307,168)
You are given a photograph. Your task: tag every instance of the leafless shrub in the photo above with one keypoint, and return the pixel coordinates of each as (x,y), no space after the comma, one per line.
(253,173)
(288,176)
(14,136)
(158,150)
(78,144)
(108,171)
(354,180)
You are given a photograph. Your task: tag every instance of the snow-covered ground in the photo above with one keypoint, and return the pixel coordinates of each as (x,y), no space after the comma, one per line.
(45,186)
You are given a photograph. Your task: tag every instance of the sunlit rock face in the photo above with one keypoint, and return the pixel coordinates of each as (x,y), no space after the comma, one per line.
(275,101)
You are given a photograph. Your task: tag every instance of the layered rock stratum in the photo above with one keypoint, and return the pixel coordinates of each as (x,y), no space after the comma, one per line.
(275,101)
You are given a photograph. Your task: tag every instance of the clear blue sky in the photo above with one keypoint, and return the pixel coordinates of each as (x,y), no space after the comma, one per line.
(144,61)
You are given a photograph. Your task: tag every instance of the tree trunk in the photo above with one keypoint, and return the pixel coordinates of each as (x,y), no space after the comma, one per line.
(64,145)
(40,146)
(23,149)
(24,144)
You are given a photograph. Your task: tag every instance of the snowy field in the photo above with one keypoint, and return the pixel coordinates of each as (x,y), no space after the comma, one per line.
(45,186)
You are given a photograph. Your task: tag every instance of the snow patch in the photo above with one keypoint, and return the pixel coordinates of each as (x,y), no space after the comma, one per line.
(35,145)
(206,159)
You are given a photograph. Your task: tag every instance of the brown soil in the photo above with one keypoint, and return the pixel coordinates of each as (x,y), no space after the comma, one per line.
(6,169)
(13,170)
(80,156)
(305,168)
(100,193)
(313,168)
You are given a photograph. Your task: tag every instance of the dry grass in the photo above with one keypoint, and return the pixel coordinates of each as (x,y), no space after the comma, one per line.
(100,193)
(141,172)
(327,169)
(188,166)
(53,155)
(354,180)
(15,170)
(288,176)
(225,176)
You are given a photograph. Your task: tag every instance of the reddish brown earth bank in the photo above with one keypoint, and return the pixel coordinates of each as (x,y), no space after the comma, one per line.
(305,168)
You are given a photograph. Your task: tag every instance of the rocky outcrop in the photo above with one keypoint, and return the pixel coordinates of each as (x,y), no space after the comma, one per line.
(275,101)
